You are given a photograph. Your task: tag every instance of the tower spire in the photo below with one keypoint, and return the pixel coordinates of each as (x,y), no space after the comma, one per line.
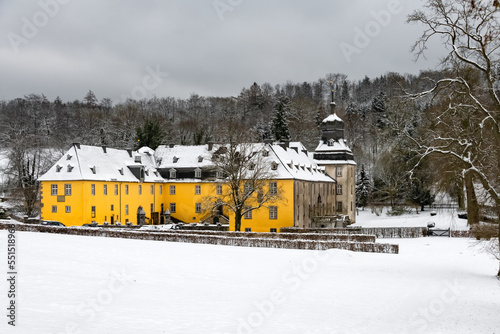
(332,103)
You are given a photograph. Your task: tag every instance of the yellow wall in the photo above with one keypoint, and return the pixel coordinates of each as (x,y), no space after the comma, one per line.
(81,201)
(110,207)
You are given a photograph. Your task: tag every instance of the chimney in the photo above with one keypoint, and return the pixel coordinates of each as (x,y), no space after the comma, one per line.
(171,145)
(104,149)
(210,146)
(76,145)
(268,141)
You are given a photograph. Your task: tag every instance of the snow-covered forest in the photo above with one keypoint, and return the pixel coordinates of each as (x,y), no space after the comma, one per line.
(377,118)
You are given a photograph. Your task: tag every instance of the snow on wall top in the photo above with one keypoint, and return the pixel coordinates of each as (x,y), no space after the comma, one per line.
(83,162)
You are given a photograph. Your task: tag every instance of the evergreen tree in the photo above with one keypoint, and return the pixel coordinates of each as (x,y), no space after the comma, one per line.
(363,188)
(150,134)
(280,121)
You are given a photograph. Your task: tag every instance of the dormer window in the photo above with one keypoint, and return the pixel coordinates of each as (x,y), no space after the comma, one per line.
(200,159)
(137,158)
(265,153)
(252,166)
(274,165)
(70,168)
(58,168)
(175,159)
(197,173)
(173,173)
(93,169)
(331,142)
(68,157)
(220,174)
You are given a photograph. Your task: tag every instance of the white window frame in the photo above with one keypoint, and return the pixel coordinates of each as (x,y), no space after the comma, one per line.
(172,190)
(273,188)
(67,189)
(53,189)
(197,189)
(273,212)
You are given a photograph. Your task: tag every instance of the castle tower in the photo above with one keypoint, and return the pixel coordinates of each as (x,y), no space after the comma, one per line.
(338,160)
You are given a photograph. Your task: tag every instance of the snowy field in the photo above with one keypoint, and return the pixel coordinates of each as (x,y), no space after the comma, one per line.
(73,284)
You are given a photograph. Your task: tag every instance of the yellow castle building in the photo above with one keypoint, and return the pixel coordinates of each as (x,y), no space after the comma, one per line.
(103,185)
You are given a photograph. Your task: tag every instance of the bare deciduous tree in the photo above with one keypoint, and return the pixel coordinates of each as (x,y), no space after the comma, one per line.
(467,126)
(246,172)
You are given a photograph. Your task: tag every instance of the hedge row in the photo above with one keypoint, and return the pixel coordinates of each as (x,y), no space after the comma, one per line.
(379,232)
(212,239)
(286,236)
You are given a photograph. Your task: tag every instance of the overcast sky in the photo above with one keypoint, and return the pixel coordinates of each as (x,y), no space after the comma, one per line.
(137,49)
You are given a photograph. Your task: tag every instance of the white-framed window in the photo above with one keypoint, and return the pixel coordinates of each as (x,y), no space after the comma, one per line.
(152,208)
(218,189)
(54,208)
(68,209)
(173,173)
(248,215)
(116,189)
(67,190)
(105,189)
(152,189)
(92,189)
(220,174)
(273,188)
(53,189)
(140,189)
(197,173)
(92,211)
(247,189)
(197,189)
(172,190)
(339,189)
(126,189)
(172,207)
(126,209)
(197,207)
(112,207)
(339,171)
(161,189)
(273,212)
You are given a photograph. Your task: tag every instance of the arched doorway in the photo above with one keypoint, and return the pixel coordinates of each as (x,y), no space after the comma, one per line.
(141,216)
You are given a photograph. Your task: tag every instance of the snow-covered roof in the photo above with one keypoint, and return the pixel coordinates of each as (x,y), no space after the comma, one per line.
(292,162)
(333,118)
(333,146)
(183,156)
(83,162)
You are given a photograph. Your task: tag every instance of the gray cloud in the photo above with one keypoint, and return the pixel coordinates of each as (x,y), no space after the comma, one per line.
(107,46)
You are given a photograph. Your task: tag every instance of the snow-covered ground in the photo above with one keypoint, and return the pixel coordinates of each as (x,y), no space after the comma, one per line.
(72,284)
(443,218)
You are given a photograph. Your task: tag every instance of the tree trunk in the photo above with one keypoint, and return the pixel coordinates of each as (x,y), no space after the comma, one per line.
(237,222)
(472,205)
